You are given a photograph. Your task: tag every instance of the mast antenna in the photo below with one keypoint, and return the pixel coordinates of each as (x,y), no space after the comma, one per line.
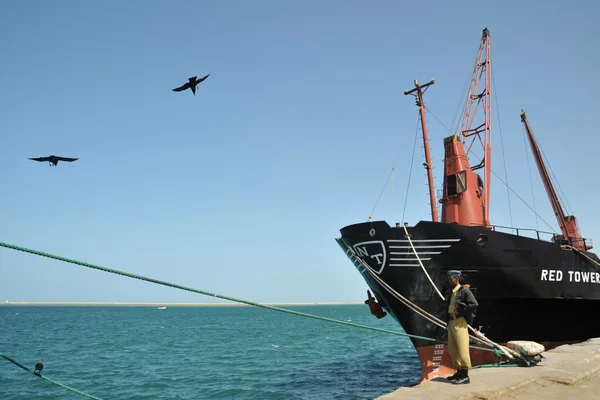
(420,89)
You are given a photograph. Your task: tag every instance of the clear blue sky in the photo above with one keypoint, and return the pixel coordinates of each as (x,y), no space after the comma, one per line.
(241,189)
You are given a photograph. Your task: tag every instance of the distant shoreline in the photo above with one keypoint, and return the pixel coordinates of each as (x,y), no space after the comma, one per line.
(131,304)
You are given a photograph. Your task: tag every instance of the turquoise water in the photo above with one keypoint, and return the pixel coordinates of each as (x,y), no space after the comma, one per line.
(202,353)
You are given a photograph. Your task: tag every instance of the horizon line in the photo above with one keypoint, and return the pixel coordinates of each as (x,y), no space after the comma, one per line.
(163,304)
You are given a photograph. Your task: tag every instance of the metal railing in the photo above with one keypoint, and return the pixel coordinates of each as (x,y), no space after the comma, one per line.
(554,237)
(518,231)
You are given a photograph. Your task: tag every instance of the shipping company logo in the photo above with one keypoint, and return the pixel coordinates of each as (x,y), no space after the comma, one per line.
(372,253)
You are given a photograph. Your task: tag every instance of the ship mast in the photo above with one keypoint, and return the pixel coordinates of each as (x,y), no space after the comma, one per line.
(420,89)
(568,224)
(466,197)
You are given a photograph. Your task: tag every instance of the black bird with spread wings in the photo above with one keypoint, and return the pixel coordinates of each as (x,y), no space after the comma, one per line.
(53,159)
(191,84)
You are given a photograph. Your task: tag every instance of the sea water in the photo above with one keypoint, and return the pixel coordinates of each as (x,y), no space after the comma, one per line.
(218,352)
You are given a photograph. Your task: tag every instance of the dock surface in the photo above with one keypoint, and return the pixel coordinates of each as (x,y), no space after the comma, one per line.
(566,372)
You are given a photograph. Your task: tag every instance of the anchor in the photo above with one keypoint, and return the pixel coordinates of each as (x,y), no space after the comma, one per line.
(374,306)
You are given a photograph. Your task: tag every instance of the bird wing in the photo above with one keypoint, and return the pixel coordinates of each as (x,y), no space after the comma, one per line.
(69,159)
(40,158)
(201,79)
(182,87)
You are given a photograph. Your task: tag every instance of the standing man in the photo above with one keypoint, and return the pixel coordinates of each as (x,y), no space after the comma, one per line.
(462,306)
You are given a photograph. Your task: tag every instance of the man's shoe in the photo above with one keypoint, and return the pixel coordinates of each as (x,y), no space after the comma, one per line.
(455,376)
(462,380)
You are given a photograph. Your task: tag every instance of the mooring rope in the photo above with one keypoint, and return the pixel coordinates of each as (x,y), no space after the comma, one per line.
(510,353)
(18,364)
(176,286)
(421,262)
(418,310)
(478,336)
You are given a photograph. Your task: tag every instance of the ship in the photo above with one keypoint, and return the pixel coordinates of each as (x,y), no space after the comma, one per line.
(531,285)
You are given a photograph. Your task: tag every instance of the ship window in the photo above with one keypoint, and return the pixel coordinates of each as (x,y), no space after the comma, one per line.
(480,183)
(456,183)
(461,181)
(451,185)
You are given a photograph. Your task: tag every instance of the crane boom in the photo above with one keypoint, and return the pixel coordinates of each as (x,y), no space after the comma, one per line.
(567,223)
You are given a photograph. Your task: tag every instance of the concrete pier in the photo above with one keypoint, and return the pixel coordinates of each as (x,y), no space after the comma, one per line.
(566,372)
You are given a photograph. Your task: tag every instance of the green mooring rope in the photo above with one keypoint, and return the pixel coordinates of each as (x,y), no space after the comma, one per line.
(18,364)
(134,276)
(496,365)
(173,285)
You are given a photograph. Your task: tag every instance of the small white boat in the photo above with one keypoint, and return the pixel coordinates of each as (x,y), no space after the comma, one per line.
(162,308)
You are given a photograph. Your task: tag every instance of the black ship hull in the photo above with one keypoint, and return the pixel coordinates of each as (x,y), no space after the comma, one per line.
(527,289)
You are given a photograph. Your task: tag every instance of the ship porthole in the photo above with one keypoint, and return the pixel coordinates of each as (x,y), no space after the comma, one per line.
(372,232)
(481,240)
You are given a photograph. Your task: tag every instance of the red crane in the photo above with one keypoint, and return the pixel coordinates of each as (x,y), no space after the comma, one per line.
(568,223)
(466,196)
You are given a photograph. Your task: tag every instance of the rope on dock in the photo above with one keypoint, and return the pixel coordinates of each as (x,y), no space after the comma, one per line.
(44,377)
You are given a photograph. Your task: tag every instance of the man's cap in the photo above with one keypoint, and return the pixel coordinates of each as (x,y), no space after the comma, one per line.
(454,272)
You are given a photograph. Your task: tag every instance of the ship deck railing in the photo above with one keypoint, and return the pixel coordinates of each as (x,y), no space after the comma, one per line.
(536,233)
(527,232)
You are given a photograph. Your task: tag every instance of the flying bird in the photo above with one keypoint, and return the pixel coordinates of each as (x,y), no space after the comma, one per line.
(191,84)
(53,159)
(39,367)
